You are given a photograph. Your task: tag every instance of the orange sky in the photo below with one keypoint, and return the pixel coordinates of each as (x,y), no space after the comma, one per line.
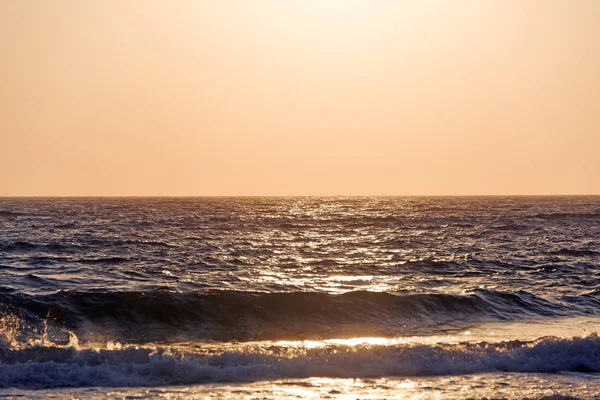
(299,97)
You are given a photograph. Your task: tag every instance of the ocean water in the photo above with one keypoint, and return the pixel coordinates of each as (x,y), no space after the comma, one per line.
(399,297)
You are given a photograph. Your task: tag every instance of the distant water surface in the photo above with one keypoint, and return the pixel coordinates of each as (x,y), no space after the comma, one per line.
(250,293)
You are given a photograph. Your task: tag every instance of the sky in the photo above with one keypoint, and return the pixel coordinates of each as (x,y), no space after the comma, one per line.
(299,97)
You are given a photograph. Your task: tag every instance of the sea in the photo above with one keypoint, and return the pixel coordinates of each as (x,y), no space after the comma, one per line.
(300,297)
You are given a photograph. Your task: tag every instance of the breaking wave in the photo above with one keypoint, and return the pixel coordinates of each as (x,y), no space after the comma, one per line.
(233,315)
(39,367)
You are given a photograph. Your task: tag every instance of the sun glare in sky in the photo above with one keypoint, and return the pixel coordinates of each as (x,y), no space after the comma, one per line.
(299,97)
(339,8)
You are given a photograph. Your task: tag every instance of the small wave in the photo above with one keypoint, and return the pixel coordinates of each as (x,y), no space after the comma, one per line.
(103,260)
(593,293)
(16,246)
(48,247)
(434,267)
(68,225)
(5,213)
(36,278)
(39,366)
(109,242)
(567,215)
(575,252)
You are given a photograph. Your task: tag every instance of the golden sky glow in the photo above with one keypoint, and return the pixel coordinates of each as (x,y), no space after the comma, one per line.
(299,97)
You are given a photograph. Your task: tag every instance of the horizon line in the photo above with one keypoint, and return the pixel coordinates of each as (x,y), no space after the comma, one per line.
(298,195)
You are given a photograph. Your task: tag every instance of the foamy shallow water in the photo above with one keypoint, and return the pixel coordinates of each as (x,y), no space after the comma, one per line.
(489,385)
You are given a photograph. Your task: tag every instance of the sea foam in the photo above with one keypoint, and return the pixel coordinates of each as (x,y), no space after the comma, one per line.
(46,366)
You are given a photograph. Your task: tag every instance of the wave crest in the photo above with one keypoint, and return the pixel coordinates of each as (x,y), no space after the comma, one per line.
(232,315)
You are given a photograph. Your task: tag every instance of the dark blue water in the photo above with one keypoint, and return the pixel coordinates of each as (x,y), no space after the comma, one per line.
(223,270)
